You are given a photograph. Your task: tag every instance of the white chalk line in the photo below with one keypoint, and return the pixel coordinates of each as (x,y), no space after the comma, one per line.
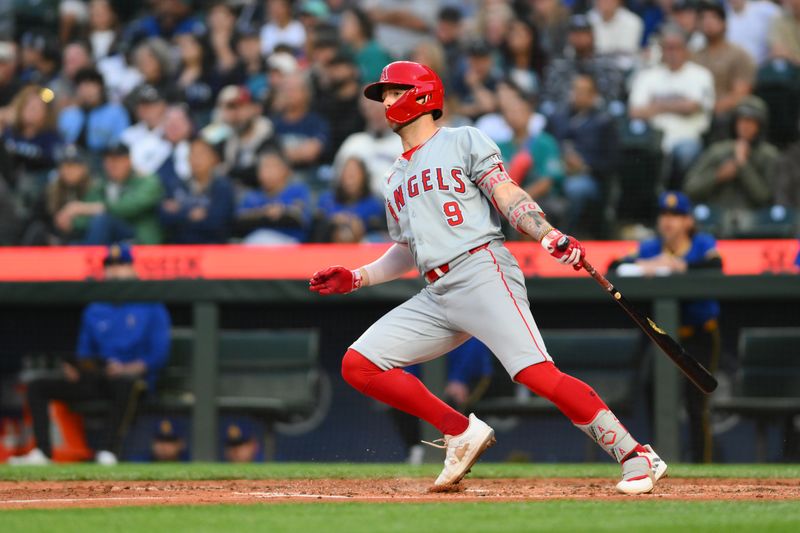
(75,500)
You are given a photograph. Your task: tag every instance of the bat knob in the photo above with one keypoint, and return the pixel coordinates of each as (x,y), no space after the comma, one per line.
(562,244)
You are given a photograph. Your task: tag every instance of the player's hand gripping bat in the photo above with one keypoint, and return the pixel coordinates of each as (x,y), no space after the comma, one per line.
(696,372)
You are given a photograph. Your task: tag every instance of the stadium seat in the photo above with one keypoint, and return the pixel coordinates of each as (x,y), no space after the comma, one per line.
(776,222)
(767,385)
(638,172)
(272,374)
(778,84)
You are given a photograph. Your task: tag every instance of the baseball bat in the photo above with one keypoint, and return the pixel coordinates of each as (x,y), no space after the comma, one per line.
(693,370)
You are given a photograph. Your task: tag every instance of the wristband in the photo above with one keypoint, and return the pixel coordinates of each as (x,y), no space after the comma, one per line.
(358,279)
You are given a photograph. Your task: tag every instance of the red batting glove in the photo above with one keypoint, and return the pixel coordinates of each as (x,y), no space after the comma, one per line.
(335,280)
(564,248)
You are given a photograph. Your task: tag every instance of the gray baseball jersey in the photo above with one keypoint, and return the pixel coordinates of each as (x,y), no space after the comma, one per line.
(435,203)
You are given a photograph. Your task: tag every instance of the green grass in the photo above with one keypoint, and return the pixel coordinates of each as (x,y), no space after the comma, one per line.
(561,516)
(195,471)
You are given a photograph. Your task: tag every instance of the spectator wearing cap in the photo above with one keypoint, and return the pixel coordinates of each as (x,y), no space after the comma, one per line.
(279,212)
(30,143)
(533,156)
(580,58)
(338,101)
(200,210)
(281,28)
(279,65)
(250,133)
(200,76)
(474,87)
(50,223)
(588,141)
(552,19)
(304,134)
(749,23)
(617,30)
(733,69)
(677,98)
(92,123)
(523,58)
(357,33)
(350,211)
(736,175)
(401,24)
(684,14)
(122,206)
(40,56)
(121,347)
(10,83)
(150,106)
(784,39)
(241,445)
(679,248)
(376,145)
(168,444)
(75,57)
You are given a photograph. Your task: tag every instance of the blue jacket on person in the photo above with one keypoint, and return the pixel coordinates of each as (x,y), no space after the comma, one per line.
(126,332)
(105,125)
(467,364)
(217,200)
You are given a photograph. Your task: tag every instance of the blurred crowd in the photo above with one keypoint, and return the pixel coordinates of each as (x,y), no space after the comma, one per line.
(194,121)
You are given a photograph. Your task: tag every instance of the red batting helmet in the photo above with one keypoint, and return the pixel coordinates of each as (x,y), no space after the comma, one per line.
(423,83)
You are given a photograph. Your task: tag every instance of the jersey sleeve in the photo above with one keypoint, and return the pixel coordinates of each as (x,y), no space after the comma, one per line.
(481,153)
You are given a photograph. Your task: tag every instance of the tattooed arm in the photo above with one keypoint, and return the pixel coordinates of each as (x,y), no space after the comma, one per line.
(522,212)
(527,217)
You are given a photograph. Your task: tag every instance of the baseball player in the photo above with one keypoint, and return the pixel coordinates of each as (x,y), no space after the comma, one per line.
(443,195)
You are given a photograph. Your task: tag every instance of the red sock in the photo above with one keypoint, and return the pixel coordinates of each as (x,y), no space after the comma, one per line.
(577,400)
(402,391)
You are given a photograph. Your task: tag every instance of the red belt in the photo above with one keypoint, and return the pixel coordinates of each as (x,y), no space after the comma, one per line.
(438,272)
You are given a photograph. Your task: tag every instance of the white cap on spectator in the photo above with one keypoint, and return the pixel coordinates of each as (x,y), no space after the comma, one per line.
(283,62)
(8,52)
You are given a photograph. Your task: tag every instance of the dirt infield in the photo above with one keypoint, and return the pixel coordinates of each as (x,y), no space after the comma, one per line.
(49,494)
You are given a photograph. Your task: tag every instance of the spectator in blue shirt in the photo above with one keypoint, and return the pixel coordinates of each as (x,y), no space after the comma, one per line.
(121,347)
(304,134)
(199,211)
(279,212)
(679,248)
(93,123)
(350,211)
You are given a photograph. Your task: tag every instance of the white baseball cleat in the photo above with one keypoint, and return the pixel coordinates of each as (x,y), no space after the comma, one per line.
(35,457)
(641,472)
(463,450)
